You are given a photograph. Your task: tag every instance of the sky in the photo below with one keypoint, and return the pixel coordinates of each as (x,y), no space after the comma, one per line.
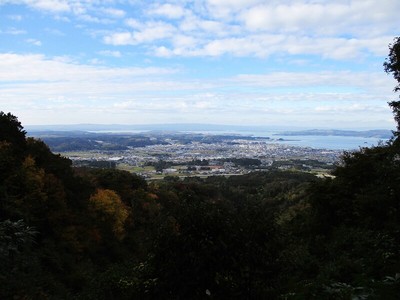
(300,63)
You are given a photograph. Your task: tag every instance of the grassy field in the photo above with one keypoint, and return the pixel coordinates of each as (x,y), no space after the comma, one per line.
(135,169)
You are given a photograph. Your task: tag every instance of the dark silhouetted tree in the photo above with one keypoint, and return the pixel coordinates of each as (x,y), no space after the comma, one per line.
(392,65)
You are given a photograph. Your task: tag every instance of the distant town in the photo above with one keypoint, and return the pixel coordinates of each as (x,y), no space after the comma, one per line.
(155,155)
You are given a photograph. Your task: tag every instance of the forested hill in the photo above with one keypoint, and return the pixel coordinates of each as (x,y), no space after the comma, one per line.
(106,234)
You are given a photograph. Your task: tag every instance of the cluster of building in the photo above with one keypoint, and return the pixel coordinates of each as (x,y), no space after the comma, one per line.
(180,156)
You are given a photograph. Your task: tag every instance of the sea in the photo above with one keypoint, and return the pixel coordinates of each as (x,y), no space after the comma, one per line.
(346,143)
(330,142)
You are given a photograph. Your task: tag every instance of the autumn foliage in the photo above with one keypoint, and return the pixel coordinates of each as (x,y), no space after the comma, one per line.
(108,208)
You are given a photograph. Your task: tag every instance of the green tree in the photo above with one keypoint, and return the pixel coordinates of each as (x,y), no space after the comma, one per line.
(122,182)
(392,65)
(18,263)
(12,131)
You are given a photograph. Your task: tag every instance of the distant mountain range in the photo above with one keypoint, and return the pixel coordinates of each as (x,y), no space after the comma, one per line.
(376,133)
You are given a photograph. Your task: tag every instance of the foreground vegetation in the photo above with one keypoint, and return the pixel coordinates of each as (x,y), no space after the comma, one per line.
(76,233)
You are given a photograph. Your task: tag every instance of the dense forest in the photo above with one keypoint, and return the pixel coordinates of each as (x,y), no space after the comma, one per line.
(82,233)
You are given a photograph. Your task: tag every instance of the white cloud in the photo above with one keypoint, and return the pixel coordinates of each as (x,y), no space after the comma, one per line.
(353,108)
(113,12)
(264,45)
(227,8)
(359,81)
(135,24)
(163,52)
(184,41)
(13,31)
(154,31)
(119,38)
(284,17)
(34,84)
(146,33)
(84,10)
(46,5)
(20,68)
(206,28)
(110,53)
(34,42)
(339,30)
(168,10)
(92,19)
(323,18)
(199,104)
(49,78)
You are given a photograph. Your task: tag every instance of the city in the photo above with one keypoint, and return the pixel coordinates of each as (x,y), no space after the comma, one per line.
(194,155)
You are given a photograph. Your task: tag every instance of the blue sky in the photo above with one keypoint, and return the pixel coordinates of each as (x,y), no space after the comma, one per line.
(315,64)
